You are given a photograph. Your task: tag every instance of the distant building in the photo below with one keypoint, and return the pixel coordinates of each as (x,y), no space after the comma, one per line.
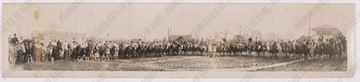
(304,38)
(135,40)
(180,38)
(239,38)
(326,31)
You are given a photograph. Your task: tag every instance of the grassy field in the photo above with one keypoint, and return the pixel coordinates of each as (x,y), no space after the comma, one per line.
(191,63)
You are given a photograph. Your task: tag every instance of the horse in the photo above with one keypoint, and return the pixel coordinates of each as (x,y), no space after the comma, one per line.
(16,54)
(260,49)
(274,50)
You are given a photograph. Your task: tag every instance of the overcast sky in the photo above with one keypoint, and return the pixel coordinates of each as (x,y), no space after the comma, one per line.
(153,20)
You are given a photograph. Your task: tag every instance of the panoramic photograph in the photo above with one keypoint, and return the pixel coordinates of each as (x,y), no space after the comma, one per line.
(187,37)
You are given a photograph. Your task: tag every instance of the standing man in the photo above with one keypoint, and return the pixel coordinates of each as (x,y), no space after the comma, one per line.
(212,50)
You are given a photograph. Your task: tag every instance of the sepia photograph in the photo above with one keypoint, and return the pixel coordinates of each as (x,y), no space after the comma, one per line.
(219,39)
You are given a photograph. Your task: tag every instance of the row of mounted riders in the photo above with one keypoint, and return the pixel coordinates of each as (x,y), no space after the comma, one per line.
(29,51)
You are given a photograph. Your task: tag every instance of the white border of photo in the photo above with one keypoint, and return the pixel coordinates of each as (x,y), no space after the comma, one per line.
(151,76)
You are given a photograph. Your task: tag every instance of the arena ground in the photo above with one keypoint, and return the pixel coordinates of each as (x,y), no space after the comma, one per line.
(192,63)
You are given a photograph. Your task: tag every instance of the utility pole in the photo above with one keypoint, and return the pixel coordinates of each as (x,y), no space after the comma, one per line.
(278,36)
(309,22)
(168,33)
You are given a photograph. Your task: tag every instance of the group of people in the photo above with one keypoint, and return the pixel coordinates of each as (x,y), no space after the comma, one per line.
(36,50)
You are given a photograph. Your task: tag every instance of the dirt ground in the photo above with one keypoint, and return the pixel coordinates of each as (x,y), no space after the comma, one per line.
(191,63)
(334,64)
